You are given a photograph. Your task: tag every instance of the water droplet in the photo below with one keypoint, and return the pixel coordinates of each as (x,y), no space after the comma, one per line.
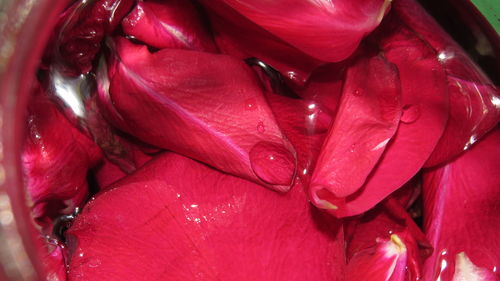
(358,92)
(272,163)
(250,104)
(471,141)
(353,147)
(260,127)
(445,55)
(411,113)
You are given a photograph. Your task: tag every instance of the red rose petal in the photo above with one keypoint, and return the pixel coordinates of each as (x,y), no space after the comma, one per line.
(461,203)
(169,24)
(206,106)
(189,221)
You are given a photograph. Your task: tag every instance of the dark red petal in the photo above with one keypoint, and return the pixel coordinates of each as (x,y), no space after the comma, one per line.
(177,219)
(239,37)
(305,124)
(56,160)
(169,24)
(366,120)
(325,86)
(461,203)
(326,30)
(425,113)
(474,100)
(205,106)
(386,261)
(369,235)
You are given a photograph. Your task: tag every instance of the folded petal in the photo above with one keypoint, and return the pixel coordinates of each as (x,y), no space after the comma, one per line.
(461,203)
(206,106)
(238,36)
(474,99)
(372,241)
(198,223)
(424,96)
(56,159)
(327,30)
(385,262)
(367,118)
(169,24)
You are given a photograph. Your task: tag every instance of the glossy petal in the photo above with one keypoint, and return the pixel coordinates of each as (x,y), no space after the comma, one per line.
(461,203)
(465,270)
(324,86)
(366,120)
(385,262)
(169,24)
(198,223)
(326,30)
(425,114)
(56,159)
(80,31)
(238,36)
(205,106)
(386,227)
(474,100)
(305,123)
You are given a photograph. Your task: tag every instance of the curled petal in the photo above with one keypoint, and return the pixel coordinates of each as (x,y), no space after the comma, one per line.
(205,106)
(238,36)
(385,262)
(168,24)
(424,98)
(367,118)
(474,99)
(327,30)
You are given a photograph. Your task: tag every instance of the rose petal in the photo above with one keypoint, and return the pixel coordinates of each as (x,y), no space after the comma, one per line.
(305,124)
(326,30)
(237,36)
(366,120)
(195,222)
(425,113)
(461,203)
(56,159)
(169,24)
(474,100)
(205,106)
(369,237)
